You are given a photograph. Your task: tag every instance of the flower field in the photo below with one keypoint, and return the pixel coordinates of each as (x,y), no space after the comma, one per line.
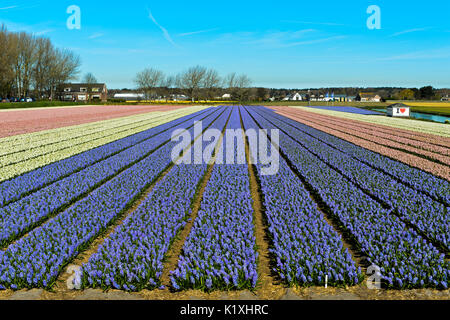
(107,197)
(420,127)
(15,122)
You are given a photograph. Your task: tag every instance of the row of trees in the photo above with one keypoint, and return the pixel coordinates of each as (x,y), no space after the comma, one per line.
(31,65)
(198,83)
(424,93)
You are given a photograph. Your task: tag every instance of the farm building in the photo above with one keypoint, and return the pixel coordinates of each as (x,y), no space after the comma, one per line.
(398,110)
(129,96)
(294,97)
(369,97)
(82,92)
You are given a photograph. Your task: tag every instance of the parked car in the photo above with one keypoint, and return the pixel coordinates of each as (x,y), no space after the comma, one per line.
(14,100)
(4,100)
(26,100)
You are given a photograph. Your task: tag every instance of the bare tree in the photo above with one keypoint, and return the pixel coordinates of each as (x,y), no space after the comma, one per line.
(24,62)
(89,78)
(42,66)
(229,81)
(168,86)
(28,62)
(211,83)
(261,94)
(242,88)
(65,66)
(191,81)
(148,80)
(7,59)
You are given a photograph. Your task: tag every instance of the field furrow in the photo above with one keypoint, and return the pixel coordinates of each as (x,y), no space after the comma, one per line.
(19,217)
(416,179)
(434,168)
(429,216)
(132,257)
(220,253)
(18,164)
(406,260)
(306,249)
(35,260)
(21,186)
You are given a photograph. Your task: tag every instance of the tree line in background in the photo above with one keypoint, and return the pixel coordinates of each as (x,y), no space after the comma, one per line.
(386,93)
(31,65)
(197,83)
(200,83)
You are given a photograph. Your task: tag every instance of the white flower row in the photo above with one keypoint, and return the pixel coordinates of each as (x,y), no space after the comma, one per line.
(52,154)
(36,139)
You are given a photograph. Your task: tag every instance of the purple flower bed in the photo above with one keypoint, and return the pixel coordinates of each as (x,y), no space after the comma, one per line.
(21,186)
(305,246)
(132,257)
(349,110)
(431,217)
(19,217)
(36,260)
(405,258)
(220,253)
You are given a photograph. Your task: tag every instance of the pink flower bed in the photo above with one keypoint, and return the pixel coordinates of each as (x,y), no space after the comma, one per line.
(412,160)
(413,135)
(33,120)
(370,135)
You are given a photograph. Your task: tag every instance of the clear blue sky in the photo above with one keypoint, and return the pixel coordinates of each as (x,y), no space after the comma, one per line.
(289,44)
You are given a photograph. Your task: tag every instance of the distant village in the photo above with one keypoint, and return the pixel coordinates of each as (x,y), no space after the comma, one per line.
(98,91)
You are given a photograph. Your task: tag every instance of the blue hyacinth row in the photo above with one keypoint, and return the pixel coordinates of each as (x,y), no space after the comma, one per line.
(132,257)
(36,260)
(220,253)
(417,179)
(306,248)
(430,216)
(21,216)
(16,188)
(405,258)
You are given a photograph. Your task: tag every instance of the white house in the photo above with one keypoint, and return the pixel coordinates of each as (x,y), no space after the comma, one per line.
(369,97)
(294,97)
(179,97)
(129,96)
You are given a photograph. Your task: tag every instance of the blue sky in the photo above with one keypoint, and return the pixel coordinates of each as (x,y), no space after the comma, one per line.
(283,44)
